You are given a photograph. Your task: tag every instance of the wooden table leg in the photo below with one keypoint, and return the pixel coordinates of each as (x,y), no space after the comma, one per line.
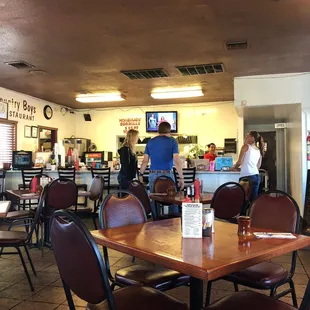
(196,294)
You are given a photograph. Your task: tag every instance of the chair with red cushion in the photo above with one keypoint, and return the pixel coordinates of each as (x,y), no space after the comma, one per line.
(118,211)
(87,276)
(256,301)
(277,211)
(228,201)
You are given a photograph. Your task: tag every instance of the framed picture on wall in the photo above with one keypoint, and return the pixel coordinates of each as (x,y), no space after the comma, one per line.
(3,110)
(34,132)
(27,132)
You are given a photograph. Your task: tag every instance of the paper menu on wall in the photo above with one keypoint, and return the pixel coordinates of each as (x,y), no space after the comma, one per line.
(192,220)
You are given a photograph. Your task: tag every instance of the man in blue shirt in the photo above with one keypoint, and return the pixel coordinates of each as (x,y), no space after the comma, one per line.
(163,151)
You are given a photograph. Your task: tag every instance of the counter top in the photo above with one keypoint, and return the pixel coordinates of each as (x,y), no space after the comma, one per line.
(117,171)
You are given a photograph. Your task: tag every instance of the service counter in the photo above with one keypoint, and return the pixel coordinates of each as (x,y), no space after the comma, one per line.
(211,179)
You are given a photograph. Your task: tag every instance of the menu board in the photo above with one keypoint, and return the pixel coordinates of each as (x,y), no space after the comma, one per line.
(192,220)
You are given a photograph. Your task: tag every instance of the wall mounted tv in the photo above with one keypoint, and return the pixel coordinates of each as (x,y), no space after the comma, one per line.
(153,119)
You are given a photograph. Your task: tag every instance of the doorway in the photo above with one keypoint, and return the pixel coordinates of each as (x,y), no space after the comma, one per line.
(47,137)
(269,159)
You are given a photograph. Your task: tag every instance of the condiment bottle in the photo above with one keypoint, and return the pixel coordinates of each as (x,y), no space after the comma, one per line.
(197,190)
(34,184)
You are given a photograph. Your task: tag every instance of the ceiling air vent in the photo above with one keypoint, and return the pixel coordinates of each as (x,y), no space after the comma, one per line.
(200,69)
(19,64)
(236,45)
(145,74)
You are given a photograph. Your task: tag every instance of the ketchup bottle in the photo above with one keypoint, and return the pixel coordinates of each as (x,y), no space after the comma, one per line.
(34,184)
(197,190)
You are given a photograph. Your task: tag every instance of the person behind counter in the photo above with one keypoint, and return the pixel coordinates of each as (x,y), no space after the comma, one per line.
(128,159)
(211,152)
(250,160)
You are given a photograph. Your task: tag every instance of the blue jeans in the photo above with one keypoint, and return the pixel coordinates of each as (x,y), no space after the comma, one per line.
(152,177)
(255,181)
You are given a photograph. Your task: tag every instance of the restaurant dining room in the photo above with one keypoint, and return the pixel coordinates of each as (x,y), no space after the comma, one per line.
(154,155)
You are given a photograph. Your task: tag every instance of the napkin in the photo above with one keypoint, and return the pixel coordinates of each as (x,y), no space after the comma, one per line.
(274,235)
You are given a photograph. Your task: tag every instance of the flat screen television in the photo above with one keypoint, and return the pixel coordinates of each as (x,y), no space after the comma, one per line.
(153,119)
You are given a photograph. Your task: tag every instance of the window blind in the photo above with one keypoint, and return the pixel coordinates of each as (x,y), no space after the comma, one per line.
(7,141)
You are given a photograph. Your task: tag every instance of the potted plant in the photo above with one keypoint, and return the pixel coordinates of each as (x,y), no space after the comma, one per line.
(196,151)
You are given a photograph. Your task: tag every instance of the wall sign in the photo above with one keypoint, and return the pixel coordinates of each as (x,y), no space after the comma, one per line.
(19,109)
(129,123)
(3,110)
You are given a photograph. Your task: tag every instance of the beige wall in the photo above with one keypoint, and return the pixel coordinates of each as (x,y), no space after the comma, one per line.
(212,122)
(294,136)
(64,123)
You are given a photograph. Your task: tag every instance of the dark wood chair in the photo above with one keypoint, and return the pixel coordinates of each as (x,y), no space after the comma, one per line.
(106,174)
(277,211)
(27,176)
(71,239)
(61,194)
(161,185)
(21,239)
(139,190)
(96,195)
(189,175)
(256,301)
(146,175)
(228,201)
(2,184)
(118,211)
(69,173)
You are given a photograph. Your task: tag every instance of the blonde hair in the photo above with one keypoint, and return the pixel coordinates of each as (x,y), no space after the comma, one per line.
(131,138)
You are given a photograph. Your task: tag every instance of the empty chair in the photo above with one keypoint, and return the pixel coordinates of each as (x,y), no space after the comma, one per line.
(60,194)
(255,301)
(106,174)
(161,185)
(21,239)
(95,194)
(69,173)
(128,210)
(277,211)
(228,201)
(139,190)
(27,175)
(189,175)
(87,276)
(2,184)
(146,175)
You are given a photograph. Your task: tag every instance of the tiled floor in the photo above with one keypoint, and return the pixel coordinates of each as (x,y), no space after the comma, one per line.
(16,294)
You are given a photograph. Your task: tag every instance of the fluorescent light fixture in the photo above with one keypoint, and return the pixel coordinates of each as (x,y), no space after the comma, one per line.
(177,93)
(100,97)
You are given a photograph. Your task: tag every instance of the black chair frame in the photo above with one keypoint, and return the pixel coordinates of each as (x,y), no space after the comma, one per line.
(119,193)
(105,173)
(289,279)
(69,215)
(189,175)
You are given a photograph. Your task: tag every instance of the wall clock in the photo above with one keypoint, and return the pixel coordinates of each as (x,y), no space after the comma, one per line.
(48,112)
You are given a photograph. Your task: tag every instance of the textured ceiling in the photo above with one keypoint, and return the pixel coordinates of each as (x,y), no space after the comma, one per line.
(83,45)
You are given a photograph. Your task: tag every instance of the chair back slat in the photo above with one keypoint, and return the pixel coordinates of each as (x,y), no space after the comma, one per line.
(67,173)
(275,210)
(189,175)
(71,240)
(228,200)
(121,208)
(28,174)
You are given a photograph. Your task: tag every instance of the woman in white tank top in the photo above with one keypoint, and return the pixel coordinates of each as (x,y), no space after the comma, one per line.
(250,159)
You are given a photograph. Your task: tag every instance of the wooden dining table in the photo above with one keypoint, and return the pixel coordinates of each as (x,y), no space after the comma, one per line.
(4,208)
(208,258)
(178,197)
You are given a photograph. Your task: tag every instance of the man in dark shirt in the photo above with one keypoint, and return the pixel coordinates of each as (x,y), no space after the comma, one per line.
(163,152)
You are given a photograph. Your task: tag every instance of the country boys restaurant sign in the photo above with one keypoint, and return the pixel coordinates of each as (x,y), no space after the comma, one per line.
(19,109)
